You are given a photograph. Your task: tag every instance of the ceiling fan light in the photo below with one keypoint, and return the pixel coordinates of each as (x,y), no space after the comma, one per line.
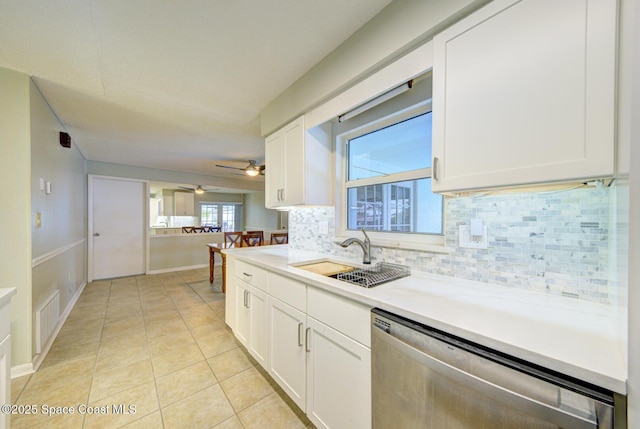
(199,190)
(252,171)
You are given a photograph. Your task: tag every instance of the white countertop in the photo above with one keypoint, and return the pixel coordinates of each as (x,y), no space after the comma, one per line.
(580,339)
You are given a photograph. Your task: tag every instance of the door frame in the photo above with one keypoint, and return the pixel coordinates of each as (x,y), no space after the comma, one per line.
(145,209)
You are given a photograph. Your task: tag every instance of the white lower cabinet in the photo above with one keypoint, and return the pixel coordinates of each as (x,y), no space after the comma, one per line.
(338,379)
(5,353)
(288,365)
(252,320)
(5,378)
(317,347)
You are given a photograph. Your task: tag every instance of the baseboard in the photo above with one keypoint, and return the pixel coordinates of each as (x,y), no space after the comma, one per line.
(170,270)
(19,371)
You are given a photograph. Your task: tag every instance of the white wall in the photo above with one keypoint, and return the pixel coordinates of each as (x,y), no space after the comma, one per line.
(15,246)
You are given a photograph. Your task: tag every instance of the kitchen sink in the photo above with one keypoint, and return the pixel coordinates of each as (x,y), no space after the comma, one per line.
(367,277)
(326,267)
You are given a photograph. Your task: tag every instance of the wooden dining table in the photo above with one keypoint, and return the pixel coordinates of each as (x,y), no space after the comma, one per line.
(218,248)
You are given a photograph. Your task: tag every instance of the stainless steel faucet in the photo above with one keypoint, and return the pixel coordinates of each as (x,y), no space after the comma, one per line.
(366,246)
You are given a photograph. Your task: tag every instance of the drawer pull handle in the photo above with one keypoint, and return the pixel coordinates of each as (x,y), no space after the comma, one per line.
(247,274)
(246,299)
(300,325)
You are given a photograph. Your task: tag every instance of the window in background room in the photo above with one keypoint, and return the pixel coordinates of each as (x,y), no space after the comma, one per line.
(226,215)
(208,214)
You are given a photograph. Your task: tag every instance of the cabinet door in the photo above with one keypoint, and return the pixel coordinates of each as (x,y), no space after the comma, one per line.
(258,326)
(5,378)
(285,161)
(242,312)
(184,204)
(338,379)
(274,161)
(287,363)
(294,163)
(524,94)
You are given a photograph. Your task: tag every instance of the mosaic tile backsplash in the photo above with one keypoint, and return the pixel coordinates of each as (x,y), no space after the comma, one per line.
(554,242)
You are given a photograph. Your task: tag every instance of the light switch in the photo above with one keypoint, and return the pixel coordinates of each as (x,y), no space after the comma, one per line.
(323,227)
(38,219)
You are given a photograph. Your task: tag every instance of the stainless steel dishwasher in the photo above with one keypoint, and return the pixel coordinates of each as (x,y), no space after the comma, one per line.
(425,378)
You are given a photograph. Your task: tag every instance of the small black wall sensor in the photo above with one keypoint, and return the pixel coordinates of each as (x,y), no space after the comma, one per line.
(65,139)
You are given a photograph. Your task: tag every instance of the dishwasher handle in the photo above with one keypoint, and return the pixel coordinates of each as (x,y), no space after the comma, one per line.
(554,415)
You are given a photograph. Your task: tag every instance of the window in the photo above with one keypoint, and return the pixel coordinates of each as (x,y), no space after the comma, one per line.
(226,215)
(387,178)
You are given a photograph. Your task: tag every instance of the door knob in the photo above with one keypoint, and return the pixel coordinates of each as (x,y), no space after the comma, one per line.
(96,234)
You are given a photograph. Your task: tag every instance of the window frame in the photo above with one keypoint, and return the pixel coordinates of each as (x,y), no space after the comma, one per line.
(418,241)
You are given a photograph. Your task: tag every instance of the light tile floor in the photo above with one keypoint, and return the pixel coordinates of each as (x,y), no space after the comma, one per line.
(159,345)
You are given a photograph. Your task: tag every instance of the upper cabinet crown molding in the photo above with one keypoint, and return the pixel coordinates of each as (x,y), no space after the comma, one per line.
(524,93)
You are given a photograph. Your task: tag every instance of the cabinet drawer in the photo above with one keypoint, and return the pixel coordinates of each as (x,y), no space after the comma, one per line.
(289,291)
(342,314)
(251,274)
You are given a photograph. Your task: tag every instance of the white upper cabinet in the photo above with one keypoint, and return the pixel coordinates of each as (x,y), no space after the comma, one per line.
(184,204)
(298,163)
(524,93)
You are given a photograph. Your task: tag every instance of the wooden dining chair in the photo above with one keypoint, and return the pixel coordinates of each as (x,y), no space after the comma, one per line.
(251,239)
(188,229)
(257,232)
(279,238)
(233,238)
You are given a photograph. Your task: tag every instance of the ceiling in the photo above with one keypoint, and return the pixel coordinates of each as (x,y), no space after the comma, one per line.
(167,84)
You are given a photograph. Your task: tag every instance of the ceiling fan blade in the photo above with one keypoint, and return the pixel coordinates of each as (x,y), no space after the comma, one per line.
(188,189)
(227,166)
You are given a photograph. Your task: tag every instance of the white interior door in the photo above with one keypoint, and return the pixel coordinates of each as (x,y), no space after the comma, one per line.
(117,225)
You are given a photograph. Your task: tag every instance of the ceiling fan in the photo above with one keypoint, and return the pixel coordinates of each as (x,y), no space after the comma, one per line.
(250,170)
(198,189)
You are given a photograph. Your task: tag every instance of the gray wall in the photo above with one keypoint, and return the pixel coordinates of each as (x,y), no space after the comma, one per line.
(38,261)
(399,28)
(15,246)
(633,384)
(152,174)
(59,245)
(256,216)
